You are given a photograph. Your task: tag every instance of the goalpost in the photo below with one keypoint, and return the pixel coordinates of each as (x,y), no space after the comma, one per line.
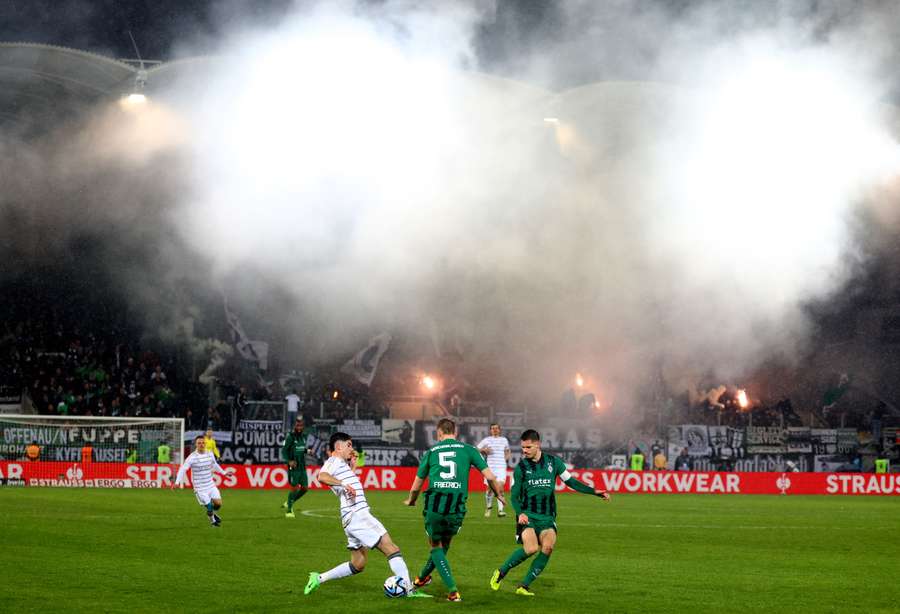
(90,451)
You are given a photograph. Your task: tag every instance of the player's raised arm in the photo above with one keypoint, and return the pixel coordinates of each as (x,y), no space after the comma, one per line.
(578,486)
(329,480)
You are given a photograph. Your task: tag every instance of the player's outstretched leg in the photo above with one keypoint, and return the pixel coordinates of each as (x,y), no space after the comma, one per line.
(341,571)
(424,577)
(398,565)
(519,556)
(211,514)
(313,583)
(537,566)
(443,566)
(294,495)
(528,538)
(548,541)
(488,500)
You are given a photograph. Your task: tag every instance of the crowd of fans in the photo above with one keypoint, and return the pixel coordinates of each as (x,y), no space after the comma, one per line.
(65,368)
(65,371)
(318,394)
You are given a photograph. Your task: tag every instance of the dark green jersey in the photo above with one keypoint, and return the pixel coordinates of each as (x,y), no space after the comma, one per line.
(446,466)
(295,447)
(534,487)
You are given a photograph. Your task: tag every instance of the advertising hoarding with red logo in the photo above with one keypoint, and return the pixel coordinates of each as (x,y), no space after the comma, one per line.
(122,475)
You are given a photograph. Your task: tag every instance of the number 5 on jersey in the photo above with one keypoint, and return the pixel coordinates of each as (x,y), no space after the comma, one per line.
(447,460)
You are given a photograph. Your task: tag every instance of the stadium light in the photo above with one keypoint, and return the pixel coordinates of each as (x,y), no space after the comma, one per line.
(579,380)
(137,96)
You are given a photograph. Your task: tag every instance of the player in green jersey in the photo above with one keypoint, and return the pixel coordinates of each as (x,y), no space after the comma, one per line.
(294,454)
(446,465)
(532,496)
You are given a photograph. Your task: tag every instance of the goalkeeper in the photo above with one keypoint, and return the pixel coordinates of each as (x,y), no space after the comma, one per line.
(294,454)
(532,497)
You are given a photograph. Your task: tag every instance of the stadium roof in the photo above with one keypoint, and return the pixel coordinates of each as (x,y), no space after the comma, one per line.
(43,85)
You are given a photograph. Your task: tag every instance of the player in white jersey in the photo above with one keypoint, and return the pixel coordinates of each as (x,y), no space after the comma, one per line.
(496,450)
(202,464)
(363,530)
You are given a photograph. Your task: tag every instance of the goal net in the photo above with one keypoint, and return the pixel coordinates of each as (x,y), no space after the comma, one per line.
(89,451)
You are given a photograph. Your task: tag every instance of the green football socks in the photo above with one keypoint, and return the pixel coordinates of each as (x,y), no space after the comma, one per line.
(537,566)
(516,558)
(443,566)
(293,496)
(429,565)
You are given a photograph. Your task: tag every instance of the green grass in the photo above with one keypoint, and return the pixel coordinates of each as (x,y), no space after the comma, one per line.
(71,550)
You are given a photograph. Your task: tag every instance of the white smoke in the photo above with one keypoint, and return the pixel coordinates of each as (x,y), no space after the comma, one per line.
(352,156)
(349,155)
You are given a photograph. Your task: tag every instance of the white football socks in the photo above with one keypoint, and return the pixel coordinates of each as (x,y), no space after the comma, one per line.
(341,571)
(398,566)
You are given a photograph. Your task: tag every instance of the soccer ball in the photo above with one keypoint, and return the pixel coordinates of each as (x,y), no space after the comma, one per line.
(395,586)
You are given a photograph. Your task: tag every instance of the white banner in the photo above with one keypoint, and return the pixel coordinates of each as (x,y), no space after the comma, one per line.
(361,429)
(364,365)
(252,351)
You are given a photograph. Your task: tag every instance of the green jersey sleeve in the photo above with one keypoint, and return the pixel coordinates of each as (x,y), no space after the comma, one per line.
(476,458)
(571,481)
(286,449)
(579,486)
(517,491)
(423,466)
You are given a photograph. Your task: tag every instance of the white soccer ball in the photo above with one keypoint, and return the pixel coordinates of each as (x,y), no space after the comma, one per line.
(395,586)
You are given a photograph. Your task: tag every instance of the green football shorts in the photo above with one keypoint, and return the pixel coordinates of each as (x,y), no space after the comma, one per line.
(440,525)
(297,477)
(538,524)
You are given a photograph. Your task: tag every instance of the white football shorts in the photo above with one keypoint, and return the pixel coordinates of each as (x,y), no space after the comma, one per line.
(207,495)
(363,530)
(500,473)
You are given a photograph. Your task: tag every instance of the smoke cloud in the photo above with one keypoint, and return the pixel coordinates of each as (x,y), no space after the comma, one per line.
(671,216)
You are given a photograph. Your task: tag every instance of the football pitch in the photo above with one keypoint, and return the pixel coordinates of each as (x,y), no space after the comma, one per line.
(73,550)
